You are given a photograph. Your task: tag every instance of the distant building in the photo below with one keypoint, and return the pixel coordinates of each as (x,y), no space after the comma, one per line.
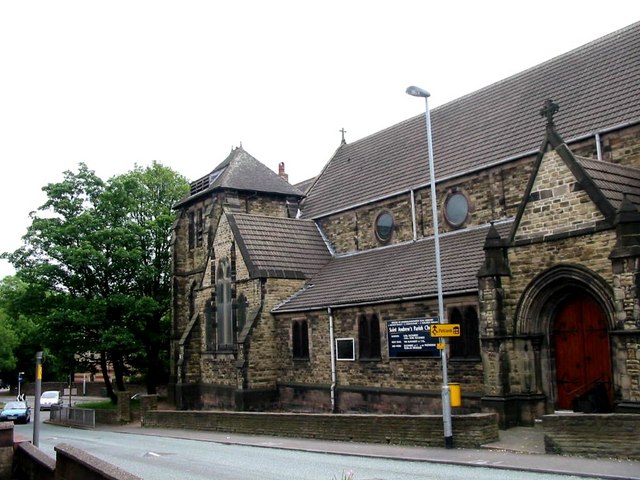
(319,298)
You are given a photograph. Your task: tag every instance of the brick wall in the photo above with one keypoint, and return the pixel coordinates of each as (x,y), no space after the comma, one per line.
(596,435)
(469,431)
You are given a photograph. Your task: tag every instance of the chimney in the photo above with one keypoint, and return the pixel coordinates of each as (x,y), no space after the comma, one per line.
(281,172)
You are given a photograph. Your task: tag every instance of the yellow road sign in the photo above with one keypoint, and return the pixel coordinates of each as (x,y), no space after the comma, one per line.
(445,330)
(441,345)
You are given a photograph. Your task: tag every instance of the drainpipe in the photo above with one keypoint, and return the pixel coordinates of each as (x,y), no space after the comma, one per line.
(333,362)
(413,216)
(598,146)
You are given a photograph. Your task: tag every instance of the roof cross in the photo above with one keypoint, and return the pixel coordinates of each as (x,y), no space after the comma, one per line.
(549,110)
(343,131)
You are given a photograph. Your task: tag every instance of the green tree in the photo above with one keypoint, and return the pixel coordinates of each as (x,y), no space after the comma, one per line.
(146,197)
(21,330)
(8,344)
(8,336)
(101,251)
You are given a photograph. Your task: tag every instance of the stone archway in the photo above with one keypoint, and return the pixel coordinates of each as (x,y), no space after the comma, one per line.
(552,307)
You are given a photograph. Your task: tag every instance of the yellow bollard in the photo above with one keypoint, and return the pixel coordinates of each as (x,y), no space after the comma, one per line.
(456,394)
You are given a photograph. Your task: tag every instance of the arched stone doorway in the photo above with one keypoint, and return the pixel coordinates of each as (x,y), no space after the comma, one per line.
(581,353)
(567,312)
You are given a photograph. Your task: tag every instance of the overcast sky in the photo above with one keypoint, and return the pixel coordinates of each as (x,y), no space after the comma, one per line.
(117,83)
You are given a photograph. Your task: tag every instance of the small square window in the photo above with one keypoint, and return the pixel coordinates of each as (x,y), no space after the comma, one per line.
(345,349)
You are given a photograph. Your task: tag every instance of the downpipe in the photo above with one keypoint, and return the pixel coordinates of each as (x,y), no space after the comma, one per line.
(332,347)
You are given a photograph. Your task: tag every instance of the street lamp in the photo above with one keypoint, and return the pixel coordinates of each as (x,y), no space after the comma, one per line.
(446,397)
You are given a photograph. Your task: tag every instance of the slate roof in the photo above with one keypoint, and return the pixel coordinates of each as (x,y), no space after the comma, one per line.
(597,87)
(397,272)
(279,247)
(305,184)
(241,171)
(614,181)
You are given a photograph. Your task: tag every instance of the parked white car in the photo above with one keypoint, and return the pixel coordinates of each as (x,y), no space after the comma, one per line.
(50,398)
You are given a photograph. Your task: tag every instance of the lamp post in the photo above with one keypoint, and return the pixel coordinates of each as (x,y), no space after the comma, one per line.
(36,406)
(446,397)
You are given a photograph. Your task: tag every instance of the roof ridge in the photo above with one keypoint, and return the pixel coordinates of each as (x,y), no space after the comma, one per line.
(270,217)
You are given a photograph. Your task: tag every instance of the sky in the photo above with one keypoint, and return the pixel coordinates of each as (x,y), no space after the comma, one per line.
(123,83)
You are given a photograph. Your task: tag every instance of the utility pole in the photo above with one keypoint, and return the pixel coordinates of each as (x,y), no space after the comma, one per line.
(36,403)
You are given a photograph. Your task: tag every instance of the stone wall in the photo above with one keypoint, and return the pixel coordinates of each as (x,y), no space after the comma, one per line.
(469,431)
(31,463)
(73,463)
(408,383)
(622,146)
(527,261)
(6,450)
(557,203)
(27,462)
(492,195)
(595,435)
(389,401)
(263,364)
(627,371)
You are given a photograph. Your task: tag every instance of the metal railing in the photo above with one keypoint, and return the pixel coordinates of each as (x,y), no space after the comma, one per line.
(81,417)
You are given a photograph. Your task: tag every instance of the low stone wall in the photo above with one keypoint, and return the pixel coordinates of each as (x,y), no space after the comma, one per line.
(31,463)
(6,449)
(469,431)
(21,459)
(121,414)
(73,463)
(107,416)
(615,435)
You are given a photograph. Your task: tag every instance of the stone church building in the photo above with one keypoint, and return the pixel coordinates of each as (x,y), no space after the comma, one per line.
(320,297)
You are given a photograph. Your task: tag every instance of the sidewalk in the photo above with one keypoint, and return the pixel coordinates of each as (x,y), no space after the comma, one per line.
(518,449)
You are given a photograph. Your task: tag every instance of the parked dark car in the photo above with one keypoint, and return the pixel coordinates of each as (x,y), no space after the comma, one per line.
(16,412)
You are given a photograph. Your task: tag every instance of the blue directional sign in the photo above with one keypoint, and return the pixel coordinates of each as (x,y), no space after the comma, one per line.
(412,338)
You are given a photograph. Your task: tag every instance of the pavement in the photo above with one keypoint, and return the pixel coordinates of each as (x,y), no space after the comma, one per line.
(519,449)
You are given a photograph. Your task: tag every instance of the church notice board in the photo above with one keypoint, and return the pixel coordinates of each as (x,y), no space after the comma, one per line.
(411,338)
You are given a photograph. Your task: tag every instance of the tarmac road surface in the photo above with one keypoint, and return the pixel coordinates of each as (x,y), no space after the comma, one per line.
(158,454)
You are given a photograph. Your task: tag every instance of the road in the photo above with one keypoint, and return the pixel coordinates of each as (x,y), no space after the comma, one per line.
(162,458)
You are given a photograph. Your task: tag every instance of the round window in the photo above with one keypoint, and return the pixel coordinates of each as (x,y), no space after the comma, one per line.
(384,226)
(456,209)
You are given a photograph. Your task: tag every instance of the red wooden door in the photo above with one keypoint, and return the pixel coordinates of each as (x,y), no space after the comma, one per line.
(583,361)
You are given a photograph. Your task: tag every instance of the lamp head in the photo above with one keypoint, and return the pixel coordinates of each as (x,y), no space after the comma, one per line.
(417,92)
